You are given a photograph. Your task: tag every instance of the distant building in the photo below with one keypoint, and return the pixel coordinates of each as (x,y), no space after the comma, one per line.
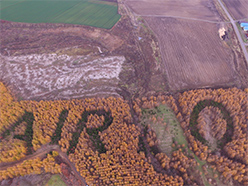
(243,24)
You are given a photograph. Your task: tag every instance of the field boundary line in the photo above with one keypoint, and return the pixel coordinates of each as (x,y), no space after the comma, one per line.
(243,19)
(12,4)
(179,17)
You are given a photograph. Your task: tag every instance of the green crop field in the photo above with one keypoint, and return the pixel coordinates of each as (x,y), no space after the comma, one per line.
(55,180)
(95,13)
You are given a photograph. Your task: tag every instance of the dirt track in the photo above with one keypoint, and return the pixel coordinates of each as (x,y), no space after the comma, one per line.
(193,55)
(43,151)
(245,53)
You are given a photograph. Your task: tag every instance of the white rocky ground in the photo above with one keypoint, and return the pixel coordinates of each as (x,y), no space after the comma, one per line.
(50,76)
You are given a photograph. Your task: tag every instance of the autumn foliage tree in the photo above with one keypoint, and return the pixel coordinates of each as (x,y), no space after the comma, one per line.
(122,163)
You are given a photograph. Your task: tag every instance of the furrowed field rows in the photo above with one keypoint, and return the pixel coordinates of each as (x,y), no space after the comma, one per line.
(80,13)
(237,8)
(198,9)
(190,57)
(8,3)
(89,15)
(111,21)
(35,11)
(84,12)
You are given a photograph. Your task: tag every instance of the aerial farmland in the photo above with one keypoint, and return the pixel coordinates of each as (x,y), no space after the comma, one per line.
(195,9)
(238,8)
(123,92)
(193,55)
(85,12)
(190,60)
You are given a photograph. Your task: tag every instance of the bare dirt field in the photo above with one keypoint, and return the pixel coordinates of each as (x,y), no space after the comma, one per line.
(237,8)
(62,61)
(72,76)
(197,9)
(193,54)
(49,61)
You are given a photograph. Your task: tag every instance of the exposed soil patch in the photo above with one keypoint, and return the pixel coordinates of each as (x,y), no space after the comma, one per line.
(196,9)
(237,8)
(193,54)
(28,180)
(62,61)
(50,76)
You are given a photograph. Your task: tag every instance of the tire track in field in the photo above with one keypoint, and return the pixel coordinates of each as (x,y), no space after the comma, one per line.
(181,17)
(193,56)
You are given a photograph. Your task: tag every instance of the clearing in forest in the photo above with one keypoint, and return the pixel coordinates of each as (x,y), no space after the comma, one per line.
(169,131)
(166,126)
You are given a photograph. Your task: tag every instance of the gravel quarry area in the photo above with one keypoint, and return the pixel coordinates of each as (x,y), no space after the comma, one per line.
(62,61)
(52,76)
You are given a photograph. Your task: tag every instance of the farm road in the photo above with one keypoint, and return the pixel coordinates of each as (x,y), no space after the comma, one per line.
(242,44)
(179,17)
(232,21)
(43,151)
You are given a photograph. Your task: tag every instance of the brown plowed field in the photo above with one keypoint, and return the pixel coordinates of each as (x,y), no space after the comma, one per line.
(193,54)
(237,8)
(197,9)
